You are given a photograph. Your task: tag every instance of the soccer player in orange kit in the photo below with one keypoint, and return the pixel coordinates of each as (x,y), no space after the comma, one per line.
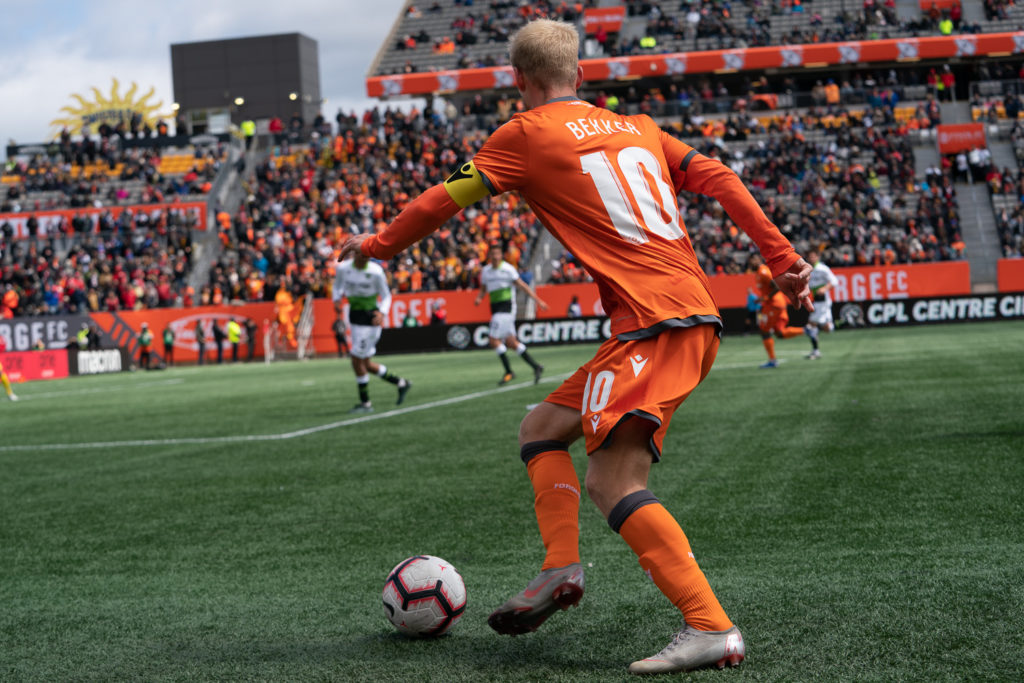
(773,317)
(605,186)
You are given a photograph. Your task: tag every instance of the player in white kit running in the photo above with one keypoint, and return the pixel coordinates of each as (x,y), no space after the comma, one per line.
(369,300)
(496,280)
(821,282)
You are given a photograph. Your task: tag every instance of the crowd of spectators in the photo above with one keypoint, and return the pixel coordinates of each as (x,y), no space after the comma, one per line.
(1010,224)
(674,26)
(136,260)
(833,178)
(91,173)
(492,24)
(303,203)
(998,9)
(837,181)
(852,194)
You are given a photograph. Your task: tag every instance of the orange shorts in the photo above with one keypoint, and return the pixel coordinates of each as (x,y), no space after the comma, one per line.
(646,378)
(773,314)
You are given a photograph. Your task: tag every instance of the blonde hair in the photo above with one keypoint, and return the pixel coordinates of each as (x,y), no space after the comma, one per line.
(546,52)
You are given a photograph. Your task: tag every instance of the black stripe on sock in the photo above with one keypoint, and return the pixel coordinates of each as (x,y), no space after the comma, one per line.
(628,505)
(531,450)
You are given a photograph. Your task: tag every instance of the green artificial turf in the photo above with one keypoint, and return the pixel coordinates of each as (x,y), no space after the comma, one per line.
(860,518)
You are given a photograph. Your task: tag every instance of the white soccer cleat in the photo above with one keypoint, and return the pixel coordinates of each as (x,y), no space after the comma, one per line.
(692,649)
(13,397)
(814,355)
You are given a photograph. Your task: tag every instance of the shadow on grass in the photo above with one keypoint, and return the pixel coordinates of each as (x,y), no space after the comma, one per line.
(458,656)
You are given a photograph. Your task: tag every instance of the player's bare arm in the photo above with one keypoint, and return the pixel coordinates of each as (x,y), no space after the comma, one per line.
(530,292)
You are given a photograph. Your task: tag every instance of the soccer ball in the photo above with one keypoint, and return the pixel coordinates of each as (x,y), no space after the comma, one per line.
(424,596)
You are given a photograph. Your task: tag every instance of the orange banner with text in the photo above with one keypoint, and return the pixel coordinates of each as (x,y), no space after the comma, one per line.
(608,18)
(1010,274)
(960,137)
(859,283)
(710,61)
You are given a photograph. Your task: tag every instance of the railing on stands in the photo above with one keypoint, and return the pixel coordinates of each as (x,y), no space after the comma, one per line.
(226,194)
(52,148)
(984,89)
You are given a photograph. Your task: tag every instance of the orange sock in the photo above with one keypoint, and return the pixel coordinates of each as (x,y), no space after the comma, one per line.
(556,500)
(769,346)
(664,553)
(788,332)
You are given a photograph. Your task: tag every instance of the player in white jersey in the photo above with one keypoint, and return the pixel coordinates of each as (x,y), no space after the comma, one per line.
(496,280)
(821,282)
(369,300)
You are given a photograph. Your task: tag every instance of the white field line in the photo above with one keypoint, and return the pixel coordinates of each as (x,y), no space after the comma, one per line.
(99,390)
(238,438)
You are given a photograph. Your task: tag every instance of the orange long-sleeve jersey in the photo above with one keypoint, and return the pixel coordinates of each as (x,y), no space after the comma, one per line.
(605,186)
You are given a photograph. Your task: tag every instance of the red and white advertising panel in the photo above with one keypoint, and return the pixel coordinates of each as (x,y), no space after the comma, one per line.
(123,328)
(51,220)
(710,61)
(608,18)
(1010,274)
(960,137)
(25,366)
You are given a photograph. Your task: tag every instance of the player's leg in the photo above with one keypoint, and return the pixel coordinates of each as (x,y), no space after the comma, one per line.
(7,385)
(359,367)
(382,371)
(782,327)
(520,348)
(765,320)
(368,338)
(544,438)
(616,481)
(502,326)
(811,330)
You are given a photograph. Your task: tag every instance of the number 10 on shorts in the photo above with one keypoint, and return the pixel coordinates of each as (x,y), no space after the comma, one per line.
(597,391)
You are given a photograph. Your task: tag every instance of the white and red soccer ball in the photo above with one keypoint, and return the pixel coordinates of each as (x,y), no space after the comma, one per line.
(424,596)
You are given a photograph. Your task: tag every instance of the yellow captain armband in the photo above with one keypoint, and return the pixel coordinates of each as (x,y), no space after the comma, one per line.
(467,185)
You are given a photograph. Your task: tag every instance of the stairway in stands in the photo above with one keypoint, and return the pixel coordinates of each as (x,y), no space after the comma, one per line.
(977,218)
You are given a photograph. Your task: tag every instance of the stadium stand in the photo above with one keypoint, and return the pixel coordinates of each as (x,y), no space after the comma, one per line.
(306,199)
(101,255)
(97,177)
(453,34)
(831,157)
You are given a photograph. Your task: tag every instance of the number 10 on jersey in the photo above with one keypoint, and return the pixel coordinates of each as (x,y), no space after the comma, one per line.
(659,215)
